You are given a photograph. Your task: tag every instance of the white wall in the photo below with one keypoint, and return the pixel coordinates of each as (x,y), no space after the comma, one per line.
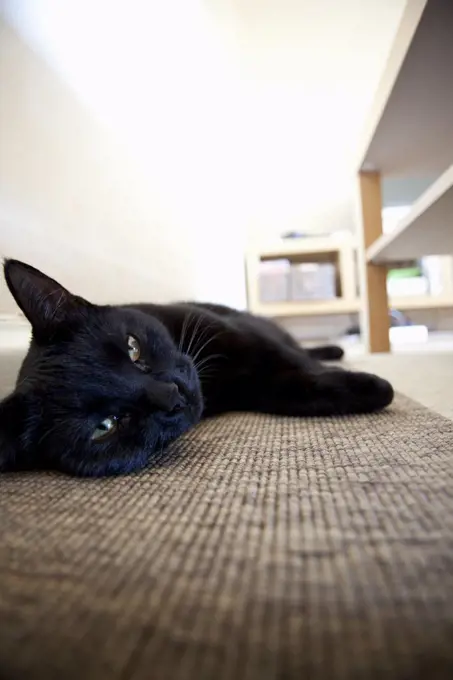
(71,200)
(113,163)
(240,120)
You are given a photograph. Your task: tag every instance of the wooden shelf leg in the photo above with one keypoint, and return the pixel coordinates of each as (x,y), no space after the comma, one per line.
(373,278)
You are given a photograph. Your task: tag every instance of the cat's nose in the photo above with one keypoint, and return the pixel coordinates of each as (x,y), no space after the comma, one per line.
(166,396)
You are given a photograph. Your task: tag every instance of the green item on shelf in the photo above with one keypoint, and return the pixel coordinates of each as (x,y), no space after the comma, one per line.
(405,273)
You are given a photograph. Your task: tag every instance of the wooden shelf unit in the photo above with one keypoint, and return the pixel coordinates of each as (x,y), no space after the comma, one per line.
(338,250)
(409,303)
(426,230)
(316,250)
(408,137)
(306,308)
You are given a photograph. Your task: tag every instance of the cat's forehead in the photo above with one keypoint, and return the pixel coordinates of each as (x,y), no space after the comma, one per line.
(106,332)
(117,323)
(95,355)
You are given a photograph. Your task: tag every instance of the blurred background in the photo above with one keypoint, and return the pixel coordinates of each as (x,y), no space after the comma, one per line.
(148,149)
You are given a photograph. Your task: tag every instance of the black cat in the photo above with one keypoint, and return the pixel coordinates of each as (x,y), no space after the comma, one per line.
(102,388)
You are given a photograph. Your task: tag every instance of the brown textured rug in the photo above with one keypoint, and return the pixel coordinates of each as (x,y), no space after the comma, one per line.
(256,548)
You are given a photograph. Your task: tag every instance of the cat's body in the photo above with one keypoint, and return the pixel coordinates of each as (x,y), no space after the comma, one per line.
(248,363)
(103,388)
(239,356)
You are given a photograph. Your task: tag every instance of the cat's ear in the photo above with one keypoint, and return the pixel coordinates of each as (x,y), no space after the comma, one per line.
(15,430)
(44,301)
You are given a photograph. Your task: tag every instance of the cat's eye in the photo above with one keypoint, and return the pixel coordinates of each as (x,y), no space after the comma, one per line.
(105,429)
(133,348)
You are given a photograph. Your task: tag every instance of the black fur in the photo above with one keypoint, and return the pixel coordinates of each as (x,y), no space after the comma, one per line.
(326,353)
(196,360)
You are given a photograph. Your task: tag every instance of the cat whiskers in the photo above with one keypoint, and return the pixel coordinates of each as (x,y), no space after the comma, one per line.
(197,343)
(185,326)
(194,333)
(204,345)
(207,370)
(204,362)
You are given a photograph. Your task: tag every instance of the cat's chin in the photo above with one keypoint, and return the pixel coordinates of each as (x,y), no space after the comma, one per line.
(182,419)
(179,425)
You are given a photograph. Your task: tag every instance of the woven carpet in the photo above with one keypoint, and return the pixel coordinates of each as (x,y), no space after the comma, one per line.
(256,548)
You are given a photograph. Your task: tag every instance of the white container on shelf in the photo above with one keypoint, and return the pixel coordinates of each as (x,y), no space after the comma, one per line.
(415,285)
(273,280)
(312,281)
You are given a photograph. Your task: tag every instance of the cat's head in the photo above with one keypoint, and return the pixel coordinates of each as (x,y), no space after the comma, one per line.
(101,389)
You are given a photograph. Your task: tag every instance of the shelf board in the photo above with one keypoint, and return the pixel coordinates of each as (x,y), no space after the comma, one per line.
(420,302)
(340,306)
(306,308)
(409,130)
(426,230)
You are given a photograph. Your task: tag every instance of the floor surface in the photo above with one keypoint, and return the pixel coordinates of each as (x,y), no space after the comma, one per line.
(425,377)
